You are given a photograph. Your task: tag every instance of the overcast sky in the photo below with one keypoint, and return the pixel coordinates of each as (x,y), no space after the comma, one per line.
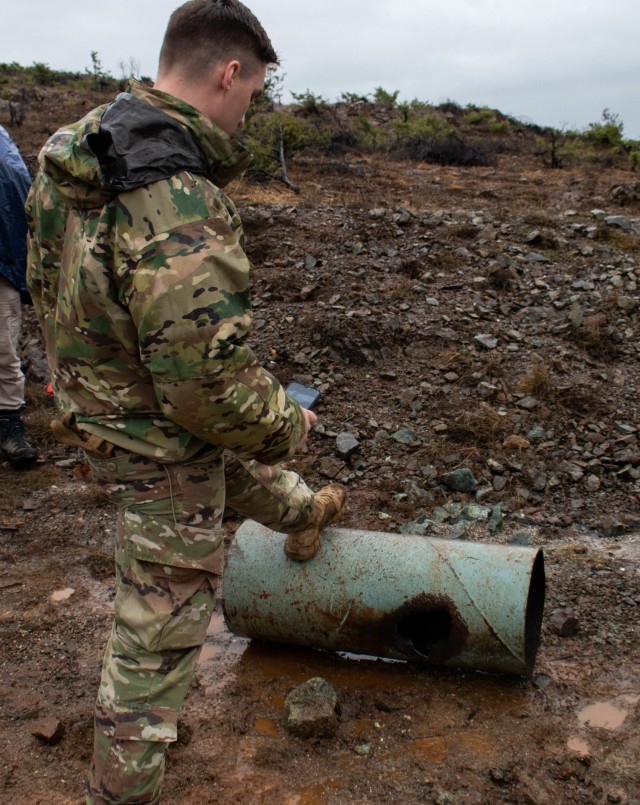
(553,62)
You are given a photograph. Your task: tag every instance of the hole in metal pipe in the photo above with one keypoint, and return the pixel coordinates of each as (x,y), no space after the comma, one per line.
(426,631)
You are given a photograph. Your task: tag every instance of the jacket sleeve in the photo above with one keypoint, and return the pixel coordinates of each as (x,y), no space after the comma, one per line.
(13,225)
(188,294)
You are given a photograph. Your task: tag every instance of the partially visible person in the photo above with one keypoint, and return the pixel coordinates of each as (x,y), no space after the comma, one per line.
(141,284)
(14,186)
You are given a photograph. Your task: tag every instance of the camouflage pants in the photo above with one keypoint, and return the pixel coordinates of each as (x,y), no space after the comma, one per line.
(169,554)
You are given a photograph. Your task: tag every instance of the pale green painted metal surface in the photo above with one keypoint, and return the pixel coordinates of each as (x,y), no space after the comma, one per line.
(431,601)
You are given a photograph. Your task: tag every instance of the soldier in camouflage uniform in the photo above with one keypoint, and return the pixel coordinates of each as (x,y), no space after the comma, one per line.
(141,285)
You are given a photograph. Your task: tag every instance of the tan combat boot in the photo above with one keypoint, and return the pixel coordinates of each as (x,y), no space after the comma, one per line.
(329,505)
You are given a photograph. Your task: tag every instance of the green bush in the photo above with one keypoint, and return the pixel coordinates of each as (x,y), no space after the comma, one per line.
(371,137)
(608,132)
(476,117)
(499,127)
(424,126)
(42,74)
(309,103)
(266,134)
(450,107)
(601,143)
(489,119)
(384,98)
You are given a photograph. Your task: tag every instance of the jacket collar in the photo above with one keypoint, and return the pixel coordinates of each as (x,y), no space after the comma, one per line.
(225,157)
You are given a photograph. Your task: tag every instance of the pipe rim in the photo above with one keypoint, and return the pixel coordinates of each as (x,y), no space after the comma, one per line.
(534,611)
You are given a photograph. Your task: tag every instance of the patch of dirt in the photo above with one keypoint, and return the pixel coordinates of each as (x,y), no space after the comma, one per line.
(470,306)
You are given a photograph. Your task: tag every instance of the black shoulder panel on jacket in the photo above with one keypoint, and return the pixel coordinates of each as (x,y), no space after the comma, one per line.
(138,144)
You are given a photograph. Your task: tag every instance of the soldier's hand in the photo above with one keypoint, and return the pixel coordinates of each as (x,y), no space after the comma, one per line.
(311,419)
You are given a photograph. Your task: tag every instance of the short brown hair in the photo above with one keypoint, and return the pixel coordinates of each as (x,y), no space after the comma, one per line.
(202,33)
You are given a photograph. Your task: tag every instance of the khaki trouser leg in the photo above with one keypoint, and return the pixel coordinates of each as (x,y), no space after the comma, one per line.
(11,376)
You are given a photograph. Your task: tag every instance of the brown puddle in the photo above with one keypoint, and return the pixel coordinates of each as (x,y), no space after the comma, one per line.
(62,595)
(267,726)
(604,715)
(579,746)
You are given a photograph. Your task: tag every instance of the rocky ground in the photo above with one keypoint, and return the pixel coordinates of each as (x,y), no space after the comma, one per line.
(474,334)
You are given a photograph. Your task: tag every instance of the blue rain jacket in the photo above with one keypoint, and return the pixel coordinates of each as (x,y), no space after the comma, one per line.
(14,186)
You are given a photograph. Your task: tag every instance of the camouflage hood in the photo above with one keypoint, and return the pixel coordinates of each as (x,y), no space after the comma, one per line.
(143,136)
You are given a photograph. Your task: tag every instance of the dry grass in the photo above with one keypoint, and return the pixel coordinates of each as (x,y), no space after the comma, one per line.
(446,261)
(595,336)
(480,428)
(538,382)
(40,410)
(625,241)
(541,383)
(584,401)
(401,290)
(539,218)
(411,267)
(461,232)
(442,446)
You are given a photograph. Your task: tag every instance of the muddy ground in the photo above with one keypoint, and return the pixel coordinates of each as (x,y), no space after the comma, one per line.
(479,318)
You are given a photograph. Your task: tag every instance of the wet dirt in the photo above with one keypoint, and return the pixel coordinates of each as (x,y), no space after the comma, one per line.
(571,732)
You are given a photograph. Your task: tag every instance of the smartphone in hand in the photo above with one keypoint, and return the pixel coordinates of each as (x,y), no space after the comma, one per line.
(305,395)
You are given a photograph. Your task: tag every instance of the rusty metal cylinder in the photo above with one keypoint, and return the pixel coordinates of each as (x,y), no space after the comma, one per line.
(427,601)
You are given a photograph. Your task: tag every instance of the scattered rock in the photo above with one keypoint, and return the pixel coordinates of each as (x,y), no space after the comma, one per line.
(522,538)
(610,526)
(499,482)
(49,730)
(330,467)
(421,526)
(564,622)
(542,681)
(347,445)
(486,340)
(461,480)
(618,221)
(528,403)
(474,513)
(307,291)
(459,531)
(535,257)
(496,520)
(593,483)
(311,710)
(405,436)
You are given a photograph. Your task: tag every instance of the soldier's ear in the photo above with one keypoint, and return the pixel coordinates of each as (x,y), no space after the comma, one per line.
(231,71)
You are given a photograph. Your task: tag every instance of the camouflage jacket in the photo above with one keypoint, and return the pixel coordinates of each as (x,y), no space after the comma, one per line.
(141,285)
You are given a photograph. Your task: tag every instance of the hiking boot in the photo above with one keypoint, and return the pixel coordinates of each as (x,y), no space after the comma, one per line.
(329,505)
(13,442)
